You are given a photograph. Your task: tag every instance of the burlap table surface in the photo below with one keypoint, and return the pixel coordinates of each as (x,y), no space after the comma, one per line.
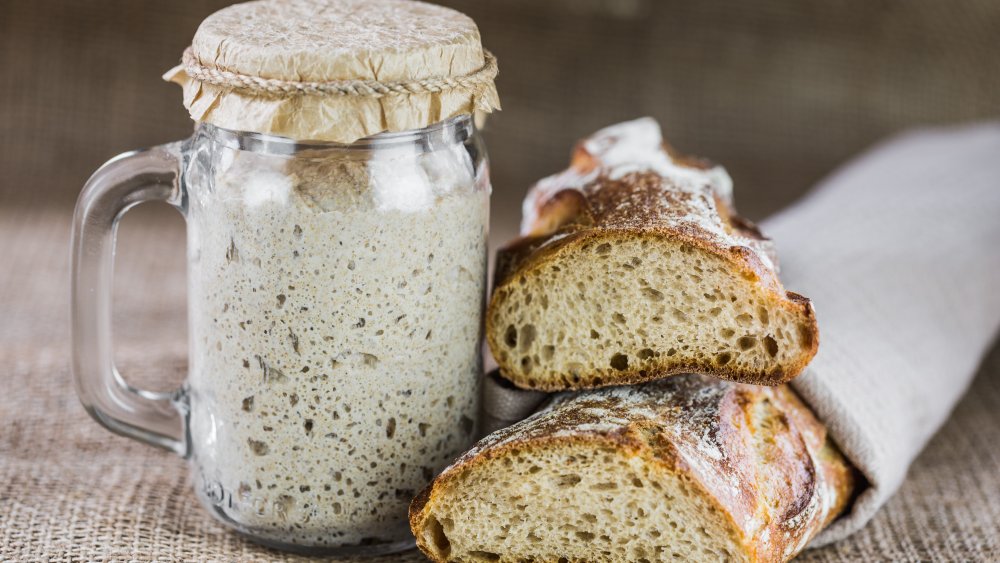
(70,491)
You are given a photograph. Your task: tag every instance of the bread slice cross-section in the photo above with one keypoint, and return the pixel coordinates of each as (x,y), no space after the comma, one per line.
(633,266)
(684,469)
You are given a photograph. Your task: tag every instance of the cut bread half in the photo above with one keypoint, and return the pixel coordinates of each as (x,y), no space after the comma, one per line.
(634,267)
(685,469)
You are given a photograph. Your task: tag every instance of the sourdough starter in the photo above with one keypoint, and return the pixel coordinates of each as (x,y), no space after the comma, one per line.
(335,323)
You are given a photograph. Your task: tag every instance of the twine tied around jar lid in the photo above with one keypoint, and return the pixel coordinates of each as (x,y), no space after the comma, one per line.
(372,88)
(335,70)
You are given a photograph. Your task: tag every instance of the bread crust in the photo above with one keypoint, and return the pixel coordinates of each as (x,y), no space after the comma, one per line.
(756,454)
(594,202)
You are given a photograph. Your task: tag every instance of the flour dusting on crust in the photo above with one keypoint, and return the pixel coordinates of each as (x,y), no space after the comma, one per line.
(650,186)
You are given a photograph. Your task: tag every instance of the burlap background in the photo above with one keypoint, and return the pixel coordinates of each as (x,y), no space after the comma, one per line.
(778,91)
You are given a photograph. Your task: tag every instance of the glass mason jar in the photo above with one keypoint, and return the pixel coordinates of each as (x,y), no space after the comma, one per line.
(335,309)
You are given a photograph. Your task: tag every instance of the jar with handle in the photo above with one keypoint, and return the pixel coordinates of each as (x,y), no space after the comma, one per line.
(336,269)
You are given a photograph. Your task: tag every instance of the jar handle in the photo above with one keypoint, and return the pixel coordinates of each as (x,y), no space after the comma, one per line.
(156,418)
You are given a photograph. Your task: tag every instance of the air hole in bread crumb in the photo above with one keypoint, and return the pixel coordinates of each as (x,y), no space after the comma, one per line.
(679,315)
(715,311)
(746,342)
(484,555)
(603,248)
(618,318)
(671,351)
(646,354)
(652,294)
(744,319)
(528,334)
(436,538)
(762,315)
(727,332)
(510,336)
(526,364)
(585,536)
(771,345)
(568,480)
(723,358)
(619,362)
(594,334)
(548,352)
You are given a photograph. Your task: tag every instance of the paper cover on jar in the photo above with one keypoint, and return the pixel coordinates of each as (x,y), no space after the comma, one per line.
(335,70)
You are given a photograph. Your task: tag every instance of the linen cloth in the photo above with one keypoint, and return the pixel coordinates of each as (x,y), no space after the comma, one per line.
(900,253)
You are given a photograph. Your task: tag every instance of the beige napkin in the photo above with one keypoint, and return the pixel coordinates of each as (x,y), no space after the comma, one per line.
(900,252)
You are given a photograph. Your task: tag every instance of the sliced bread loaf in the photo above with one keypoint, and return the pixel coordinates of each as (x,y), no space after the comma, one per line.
(633,267)
(685,469)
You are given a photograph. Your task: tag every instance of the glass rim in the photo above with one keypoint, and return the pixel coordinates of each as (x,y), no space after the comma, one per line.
(461,126)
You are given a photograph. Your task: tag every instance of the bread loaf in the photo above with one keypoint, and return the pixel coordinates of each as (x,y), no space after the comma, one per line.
(684,469)
(633,267)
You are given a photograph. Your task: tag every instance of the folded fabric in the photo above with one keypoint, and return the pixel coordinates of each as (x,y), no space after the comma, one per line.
(503,404)
(900,252)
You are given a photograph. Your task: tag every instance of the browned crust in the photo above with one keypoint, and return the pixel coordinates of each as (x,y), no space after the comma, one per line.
(810,481)
(524,256)
(842,476)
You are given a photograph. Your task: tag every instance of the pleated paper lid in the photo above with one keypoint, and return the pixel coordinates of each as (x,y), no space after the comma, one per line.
(335,70)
